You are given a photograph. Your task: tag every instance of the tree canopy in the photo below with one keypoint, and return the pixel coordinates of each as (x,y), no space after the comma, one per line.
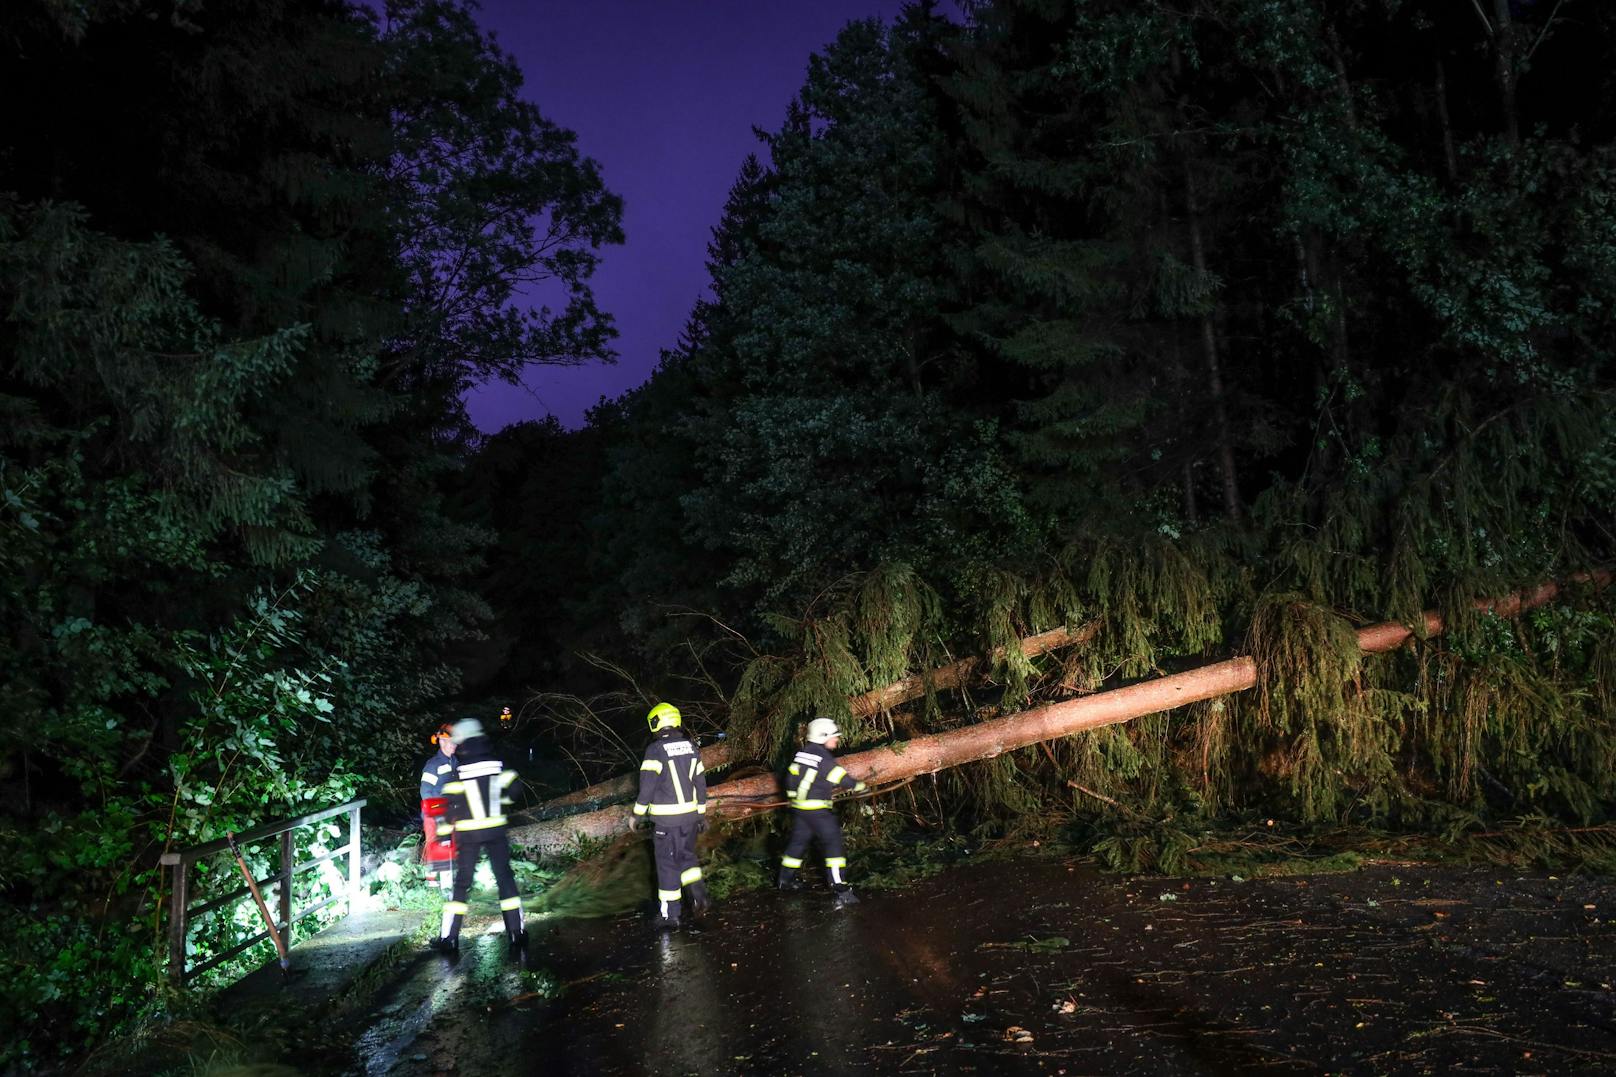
(250,255)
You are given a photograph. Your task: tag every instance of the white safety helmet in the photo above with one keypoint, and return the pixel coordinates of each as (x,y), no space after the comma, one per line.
(465,729)
(822,729)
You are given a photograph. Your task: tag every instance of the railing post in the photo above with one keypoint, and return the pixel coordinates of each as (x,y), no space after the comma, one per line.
(178,901)
(286,884)
(354,891)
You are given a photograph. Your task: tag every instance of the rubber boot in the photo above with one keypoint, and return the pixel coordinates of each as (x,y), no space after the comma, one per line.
(665,923)
(844,897)
(515,929)
(701,903)
(448,940)
(789,880)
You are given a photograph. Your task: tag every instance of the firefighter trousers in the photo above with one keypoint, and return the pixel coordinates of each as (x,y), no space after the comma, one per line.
(499,859)
(674,841)
(807,826)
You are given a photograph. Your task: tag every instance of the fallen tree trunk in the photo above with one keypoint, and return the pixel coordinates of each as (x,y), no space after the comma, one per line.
(985,740)
(881,699)
(955,674)
(713,757)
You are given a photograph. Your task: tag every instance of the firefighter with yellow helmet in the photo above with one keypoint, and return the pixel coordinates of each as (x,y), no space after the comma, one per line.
(673,799)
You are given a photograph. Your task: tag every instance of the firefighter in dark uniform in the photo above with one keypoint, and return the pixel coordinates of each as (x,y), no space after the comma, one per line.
(477,796)
(435,774)
(812,778)
(673,798)
(440,768)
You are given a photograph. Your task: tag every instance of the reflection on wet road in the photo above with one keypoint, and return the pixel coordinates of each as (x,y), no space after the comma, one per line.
(1041,967)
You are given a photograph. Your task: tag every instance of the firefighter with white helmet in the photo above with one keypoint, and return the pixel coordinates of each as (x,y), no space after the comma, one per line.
(477,795)
(673,797)
(811,779)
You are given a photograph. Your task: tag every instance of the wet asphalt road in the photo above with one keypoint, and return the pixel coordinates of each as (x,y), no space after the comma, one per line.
(1041,967)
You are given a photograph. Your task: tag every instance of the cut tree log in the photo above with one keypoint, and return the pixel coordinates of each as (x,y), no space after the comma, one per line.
(985,740)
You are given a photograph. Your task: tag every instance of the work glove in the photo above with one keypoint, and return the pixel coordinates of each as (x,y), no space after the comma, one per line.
(701,826)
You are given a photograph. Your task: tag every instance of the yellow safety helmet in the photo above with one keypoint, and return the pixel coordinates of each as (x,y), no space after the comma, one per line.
(663,716)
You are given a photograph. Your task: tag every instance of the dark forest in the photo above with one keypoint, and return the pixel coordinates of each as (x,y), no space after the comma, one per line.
(1211,328)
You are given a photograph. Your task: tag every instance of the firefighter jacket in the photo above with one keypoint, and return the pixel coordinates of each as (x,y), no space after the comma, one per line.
(672,778)
(435,772)
(814,775)
(477,794)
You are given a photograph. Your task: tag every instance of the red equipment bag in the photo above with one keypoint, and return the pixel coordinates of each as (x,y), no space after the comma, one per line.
(439,849)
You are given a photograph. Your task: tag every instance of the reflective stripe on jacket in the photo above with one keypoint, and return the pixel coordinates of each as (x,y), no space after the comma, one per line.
(814,775)
(673,780)
(434,773)
(477,796)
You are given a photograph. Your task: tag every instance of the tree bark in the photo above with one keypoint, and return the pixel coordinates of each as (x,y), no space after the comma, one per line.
(1343,85)
(1504,69)
(1448,154)
(985,740)
(1209,345)
(1188,482)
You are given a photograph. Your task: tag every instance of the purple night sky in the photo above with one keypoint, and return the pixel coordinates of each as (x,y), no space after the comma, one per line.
(664,95)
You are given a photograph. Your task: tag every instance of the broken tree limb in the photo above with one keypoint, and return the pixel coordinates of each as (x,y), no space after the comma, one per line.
(957,673)
(985,740)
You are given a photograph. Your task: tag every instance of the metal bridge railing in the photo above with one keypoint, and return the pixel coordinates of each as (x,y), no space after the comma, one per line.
(181,912)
